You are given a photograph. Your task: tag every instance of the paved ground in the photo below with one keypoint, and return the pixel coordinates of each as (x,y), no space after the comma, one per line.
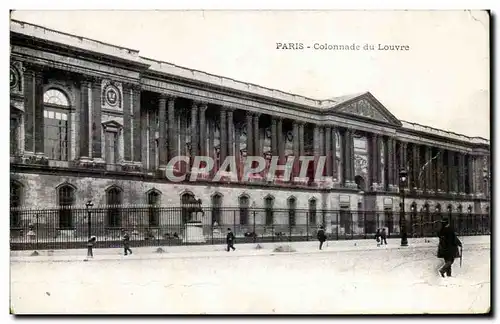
(339,280)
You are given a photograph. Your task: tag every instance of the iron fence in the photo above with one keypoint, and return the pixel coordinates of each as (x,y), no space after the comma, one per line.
(68,227)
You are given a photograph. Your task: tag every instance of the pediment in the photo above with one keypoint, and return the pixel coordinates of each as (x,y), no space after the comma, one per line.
(112,125)
(367,106)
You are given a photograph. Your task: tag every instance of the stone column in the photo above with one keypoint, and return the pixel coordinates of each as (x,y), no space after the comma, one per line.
(257,145)
(350,157)
(379,153)
(373,160)
(296,148)
(280,139)
(415,166)
(316,146)
(274,137)
(387,162)
(470,174)
(203,129)
(195,131)
(451,173)
(249,125)
(461,173)
(96,120)
(84,120)
(428,168)
(396,167)
(390,163)
(223,134)
(172,129)
(343,155)
(328,152)
(403,156)
(230,133)
(152,138)
(439,171)
(301,139)
(136,122)
(127,123)
(162,138)
(334,153)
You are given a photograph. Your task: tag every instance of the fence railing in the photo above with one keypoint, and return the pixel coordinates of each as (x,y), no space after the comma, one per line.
(62,228)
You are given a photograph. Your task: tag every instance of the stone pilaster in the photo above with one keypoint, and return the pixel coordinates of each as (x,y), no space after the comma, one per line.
(372,151)
(387,162)
(416,166)
(162,136)
(172,129)
(379,153)
(153,150)
(203,129)
(137,125)
(29,110)
(470,174)
(461,173)
(96,120)
(403,156)
(84,119)
(39,119)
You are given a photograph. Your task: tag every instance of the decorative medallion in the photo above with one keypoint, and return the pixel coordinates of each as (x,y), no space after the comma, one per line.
(14,77)
(111,95)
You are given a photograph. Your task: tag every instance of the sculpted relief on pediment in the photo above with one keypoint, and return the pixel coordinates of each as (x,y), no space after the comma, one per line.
(363,108)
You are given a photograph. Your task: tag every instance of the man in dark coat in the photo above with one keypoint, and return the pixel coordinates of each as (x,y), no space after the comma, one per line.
(126,243)
(448,247)
(383,237)
(230,240)
(321,236)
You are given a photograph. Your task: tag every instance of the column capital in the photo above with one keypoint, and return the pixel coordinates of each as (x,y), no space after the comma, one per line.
(321,129)
(273,121)
(194,105)
(203,107)
(256,115)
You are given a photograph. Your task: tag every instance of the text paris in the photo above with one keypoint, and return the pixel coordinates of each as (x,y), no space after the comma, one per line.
(384,47)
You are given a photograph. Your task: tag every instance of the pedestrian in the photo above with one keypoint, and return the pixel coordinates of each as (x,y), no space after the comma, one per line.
(448,247)
(377,236)
(126,243)
(90,244)
(230,240)
(321,236)
(383,237)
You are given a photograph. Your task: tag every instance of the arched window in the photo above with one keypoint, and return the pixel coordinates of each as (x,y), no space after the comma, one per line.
(244,203)
(312,211)
(292,202)
(153,211)
(16,191)
(56,117)
(268,205)
(114,201)
(216,208)
(186,199)
(66,195)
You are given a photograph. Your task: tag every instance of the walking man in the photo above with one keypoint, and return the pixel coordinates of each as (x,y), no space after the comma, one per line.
(230,240)
(126,243)
(448,247)
(383,237)
(90,244)
(321,236)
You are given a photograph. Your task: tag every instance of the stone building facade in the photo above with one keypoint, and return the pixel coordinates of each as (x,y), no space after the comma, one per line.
(93,121)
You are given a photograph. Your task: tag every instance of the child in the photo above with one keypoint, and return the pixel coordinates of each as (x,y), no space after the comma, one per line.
(126,243)
(230,240)
(90,244)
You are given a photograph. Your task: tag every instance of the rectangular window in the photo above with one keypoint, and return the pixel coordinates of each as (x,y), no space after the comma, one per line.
(56,137)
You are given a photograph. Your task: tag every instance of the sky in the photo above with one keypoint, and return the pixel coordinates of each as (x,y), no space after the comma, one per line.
(442,80)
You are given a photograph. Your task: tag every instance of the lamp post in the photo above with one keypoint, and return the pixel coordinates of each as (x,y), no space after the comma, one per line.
(403,177)
(89,205)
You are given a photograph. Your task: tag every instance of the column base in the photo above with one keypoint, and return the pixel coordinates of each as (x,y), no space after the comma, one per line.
(375,186)
(351,185)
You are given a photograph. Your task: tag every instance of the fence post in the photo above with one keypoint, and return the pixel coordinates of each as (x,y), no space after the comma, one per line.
(254,234)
